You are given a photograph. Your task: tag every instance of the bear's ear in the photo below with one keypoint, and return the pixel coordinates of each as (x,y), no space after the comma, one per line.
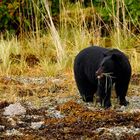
(115,54)
(105,54)
(112,51)
(116,57)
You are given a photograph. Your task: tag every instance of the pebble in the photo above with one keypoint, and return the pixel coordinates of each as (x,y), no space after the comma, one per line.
(14,109)
(119,130)
(36,125)
(13,132)
(2,128)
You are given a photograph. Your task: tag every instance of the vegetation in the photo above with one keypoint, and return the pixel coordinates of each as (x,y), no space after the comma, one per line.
(51,33)
(38,43)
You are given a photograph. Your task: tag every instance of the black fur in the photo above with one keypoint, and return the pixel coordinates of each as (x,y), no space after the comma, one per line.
(89,68)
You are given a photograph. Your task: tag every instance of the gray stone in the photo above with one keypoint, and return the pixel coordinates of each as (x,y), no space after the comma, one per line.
(36,125)
(14,109)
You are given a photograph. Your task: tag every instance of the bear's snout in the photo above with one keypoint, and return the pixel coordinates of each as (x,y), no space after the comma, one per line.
(99,73)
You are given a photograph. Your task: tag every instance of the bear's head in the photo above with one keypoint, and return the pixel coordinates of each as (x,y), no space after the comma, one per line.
(110,60)
(106,67)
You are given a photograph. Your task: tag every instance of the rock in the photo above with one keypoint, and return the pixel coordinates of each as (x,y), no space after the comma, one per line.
(31,80)
(36,125)
(135,110)
(118,131)
(2,128)
(14,109)
(12,121)
(13,132)
(58,114)
(122,109)
(57,81)
(54,113)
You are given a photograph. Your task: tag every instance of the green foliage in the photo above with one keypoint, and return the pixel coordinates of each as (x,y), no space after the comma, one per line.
(55,7)
(8,16)
(20,16)
(134,9)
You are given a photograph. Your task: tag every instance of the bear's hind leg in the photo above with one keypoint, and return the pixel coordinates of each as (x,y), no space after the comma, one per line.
(121,91)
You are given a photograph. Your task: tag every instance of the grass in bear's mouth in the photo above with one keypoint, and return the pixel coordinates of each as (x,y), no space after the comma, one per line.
(109,75)
(108,80)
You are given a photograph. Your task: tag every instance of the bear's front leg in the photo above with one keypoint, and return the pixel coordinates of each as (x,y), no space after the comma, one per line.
(104,96)
(86,89)
(107,101)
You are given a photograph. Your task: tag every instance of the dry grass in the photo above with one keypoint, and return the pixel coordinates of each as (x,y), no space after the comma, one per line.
(54,51)
(52,54)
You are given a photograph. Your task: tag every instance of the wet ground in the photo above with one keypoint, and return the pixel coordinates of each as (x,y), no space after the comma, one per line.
(51,108)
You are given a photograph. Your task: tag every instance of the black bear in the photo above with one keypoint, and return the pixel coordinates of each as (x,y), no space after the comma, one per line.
(97,69)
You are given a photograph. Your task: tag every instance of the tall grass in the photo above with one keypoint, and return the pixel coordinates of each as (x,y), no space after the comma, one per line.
(7,47)
(57,47)
(55,35)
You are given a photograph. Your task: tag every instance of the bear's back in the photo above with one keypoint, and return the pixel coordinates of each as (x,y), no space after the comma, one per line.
(94,53)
